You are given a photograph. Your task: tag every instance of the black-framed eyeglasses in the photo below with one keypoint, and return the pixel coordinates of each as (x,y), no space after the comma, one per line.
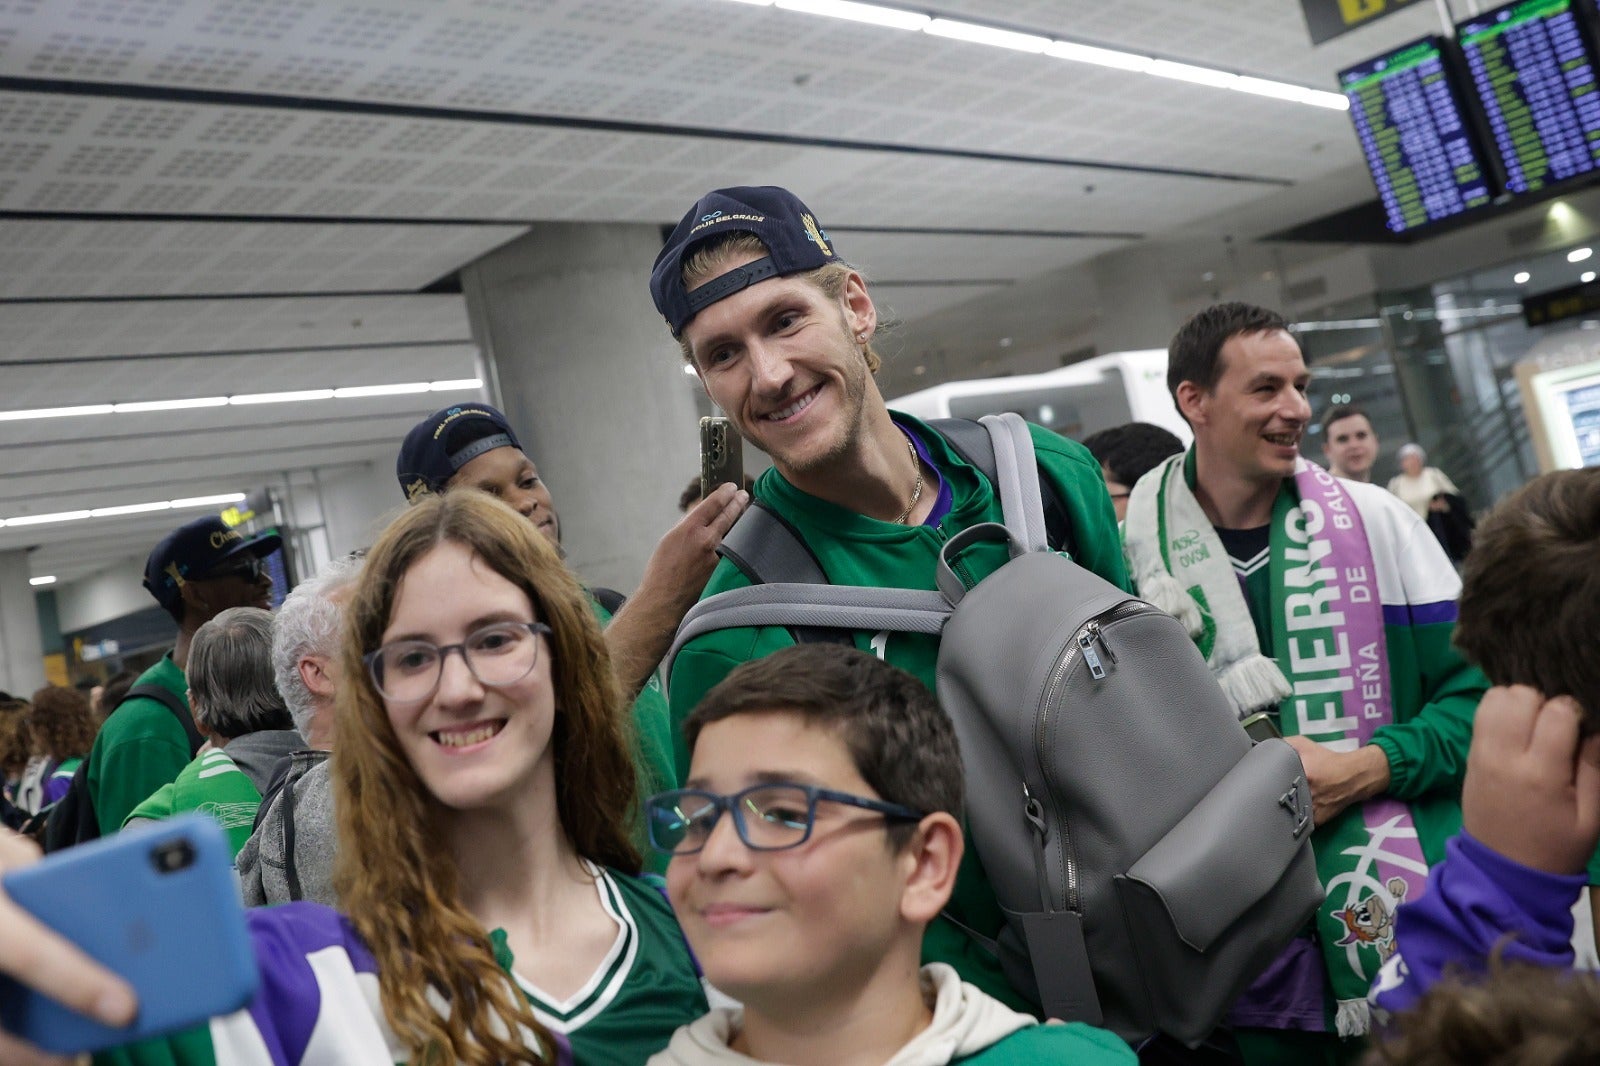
(248,568)
(501,653)
(768,817)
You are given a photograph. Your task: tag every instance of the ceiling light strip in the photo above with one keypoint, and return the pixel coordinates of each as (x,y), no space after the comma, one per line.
(353,392)
(217,500)
(1038,44)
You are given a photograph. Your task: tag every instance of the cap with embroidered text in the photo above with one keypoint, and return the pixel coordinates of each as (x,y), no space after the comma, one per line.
(193,551)
(447,440)
(795,242)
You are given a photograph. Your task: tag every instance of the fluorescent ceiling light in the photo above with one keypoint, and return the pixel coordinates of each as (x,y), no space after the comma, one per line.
(1324,98)
(1586,277)
(130,508)
(358,391)
(168,405)
(868,13)
(1278,90)
(1578,255)
(208,501)
(282,397)
(1165,68)
(976,34)
(145,406)
(1104,57)
(57,412)
(42,519)
(123,509)
(1520,277)
(49,579)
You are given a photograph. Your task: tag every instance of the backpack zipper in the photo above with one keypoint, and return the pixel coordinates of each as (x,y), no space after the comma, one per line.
(1088,638)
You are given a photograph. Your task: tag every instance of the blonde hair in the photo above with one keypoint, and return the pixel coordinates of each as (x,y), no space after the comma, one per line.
(705,262)
(398,886)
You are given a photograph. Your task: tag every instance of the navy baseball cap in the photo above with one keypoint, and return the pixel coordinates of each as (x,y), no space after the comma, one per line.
(194,550)
(426,464)
(794,239)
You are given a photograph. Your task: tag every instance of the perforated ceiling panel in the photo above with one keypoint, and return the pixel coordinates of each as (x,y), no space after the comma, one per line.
(165,149)
(71,259)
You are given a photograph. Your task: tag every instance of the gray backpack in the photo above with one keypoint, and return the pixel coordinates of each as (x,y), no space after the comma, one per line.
(1150,860)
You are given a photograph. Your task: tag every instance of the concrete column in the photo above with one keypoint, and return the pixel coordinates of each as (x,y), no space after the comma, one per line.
(21,651)
(357,503)
(1136,308)
(593,384)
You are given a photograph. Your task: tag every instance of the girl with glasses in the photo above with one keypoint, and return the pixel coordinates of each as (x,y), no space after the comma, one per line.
(485,792)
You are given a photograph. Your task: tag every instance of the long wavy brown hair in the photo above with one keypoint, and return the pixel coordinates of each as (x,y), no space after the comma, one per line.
(399,887)
(61,724)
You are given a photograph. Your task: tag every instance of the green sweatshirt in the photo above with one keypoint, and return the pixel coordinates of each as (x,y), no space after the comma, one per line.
(856,550)
(140,748)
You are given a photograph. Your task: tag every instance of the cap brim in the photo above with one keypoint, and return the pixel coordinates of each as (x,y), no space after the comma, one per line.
(260,546)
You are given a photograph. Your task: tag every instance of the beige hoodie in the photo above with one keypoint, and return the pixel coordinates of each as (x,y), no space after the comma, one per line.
(965,1021)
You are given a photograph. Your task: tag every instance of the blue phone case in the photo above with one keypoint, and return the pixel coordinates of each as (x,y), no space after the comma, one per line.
(177,936)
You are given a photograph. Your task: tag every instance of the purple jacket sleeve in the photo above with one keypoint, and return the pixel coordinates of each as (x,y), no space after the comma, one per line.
(1475,900)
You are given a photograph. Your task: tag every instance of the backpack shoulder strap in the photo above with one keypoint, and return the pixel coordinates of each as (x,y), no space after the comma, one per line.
(838,609)
(171,702)
(972,441)
(610,599)
(766,548)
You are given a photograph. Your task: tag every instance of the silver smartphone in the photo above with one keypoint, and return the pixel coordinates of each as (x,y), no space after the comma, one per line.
(721,454)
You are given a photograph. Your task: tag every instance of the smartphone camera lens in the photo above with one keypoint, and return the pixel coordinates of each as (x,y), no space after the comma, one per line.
(172,856)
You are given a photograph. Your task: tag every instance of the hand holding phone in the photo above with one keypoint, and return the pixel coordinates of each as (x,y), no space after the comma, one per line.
(51,965)
(721,454)
(158,907)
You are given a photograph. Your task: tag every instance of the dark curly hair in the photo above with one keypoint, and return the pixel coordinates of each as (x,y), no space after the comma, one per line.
(13,736)
(60,723)
(1519,1016)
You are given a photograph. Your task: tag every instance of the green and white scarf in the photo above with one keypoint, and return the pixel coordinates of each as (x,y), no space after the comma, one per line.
(1328,677)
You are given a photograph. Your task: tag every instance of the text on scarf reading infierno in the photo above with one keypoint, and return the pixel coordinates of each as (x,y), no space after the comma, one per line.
(1319,651)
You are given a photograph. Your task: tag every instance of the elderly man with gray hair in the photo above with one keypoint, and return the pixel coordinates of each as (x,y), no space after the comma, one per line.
(237,708)
(290,854)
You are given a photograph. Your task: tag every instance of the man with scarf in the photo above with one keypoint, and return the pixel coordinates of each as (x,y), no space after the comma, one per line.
(1329,605)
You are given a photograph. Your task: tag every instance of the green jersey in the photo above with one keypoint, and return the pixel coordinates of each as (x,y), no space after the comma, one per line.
(140,748)
(212,784)
(856,550)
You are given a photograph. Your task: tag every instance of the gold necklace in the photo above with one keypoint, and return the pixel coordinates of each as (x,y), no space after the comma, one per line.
(916,490)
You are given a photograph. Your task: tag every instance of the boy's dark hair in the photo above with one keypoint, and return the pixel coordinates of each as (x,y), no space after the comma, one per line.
(1132,450)
(1194,354)
(900,739)
(1341,410)
(1530,595)
(1519,1016)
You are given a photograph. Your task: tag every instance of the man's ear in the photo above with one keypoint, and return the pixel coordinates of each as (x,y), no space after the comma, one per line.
(930,859)
(1192,403)
(193,600)
(315,677)
(860,313)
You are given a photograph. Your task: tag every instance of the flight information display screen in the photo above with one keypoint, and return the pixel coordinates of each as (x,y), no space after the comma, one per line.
(1535,79)
(1423,158)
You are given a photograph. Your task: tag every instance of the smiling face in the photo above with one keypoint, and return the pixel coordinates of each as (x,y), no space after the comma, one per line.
(1351,447)
(782,359)
(473,746)
(774,927)
(508,474)
(1251,422)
